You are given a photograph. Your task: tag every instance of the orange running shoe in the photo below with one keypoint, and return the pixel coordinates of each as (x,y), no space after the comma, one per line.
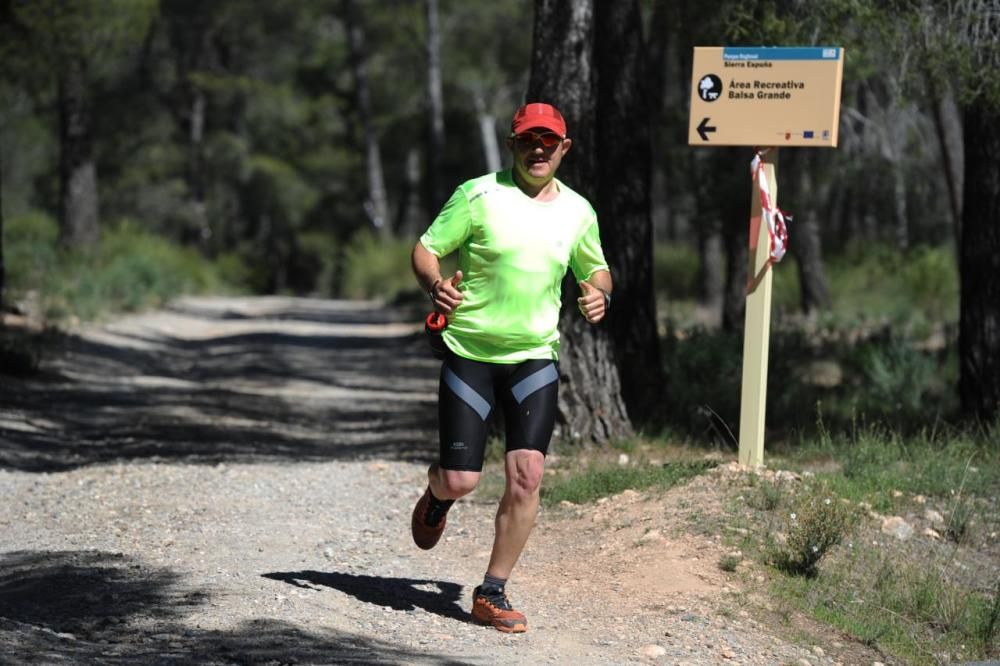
(429,519)
(493,607)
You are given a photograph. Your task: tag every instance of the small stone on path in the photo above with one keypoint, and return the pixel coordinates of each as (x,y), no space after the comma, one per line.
(897,527)
(654,651)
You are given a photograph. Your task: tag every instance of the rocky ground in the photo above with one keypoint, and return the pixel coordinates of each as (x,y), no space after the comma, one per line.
(230,481)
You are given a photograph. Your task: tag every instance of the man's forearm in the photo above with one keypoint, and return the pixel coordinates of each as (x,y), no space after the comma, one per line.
(602,280)
(426,267)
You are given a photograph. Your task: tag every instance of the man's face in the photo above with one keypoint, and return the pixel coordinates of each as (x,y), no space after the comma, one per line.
(535,161)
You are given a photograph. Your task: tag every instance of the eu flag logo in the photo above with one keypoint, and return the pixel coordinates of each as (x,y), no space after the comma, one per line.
(808,134)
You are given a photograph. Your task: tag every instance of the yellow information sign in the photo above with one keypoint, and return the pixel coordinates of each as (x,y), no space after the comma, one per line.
(766,96)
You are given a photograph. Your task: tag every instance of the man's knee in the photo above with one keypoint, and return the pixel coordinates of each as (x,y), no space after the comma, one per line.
(524,473)
(458,482)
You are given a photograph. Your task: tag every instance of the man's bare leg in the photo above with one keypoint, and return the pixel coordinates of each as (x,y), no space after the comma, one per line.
(518,509)
(450,484)
(429,517)
(514,522)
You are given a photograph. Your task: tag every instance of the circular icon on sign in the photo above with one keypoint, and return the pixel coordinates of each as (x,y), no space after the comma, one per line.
(710,87)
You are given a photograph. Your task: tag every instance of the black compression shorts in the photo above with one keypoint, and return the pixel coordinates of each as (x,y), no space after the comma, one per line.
(468,393)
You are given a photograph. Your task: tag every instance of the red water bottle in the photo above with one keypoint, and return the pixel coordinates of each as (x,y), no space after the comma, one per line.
(434,326)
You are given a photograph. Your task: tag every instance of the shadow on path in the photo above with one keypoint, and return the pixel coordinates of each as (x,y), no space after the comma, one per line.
(401,594)
(213,380)
(104,608)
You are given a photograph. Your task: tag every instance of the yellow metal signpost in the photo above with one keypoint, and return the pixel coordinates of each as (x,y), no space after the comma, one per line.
(764,97)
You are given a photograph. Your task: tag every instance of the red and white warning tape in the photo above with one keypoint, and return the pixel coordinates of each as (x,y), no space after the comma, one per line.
(776,218)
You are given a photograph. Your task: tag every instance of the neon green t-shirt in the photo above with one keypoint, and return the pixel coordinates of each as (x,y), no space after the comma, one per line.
(513,254)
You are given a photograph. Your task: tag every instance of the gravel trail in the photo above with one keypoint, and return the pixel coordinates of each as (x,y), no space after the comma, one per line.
(230,481)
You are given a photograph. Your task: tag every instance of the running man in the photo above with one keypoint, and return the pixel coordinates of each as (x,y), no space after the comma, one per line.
(516,232)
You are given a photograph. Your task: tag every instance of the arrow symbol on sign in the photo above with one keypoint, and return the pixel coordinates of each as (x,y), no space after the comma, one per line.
(704,128)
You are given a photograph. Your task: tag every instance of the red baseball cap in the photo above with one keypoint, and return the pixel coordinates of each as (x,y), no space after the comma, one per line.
(538,114)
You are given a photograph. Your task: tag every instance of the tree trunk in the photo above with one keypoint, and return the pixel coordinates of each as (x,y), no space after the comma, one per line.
(839,223)
(591,408)
(711,271)
(192,32)
(736,238)
(487,133)
(377,205)
(623,203)
(806,243)
(410,216)
(734,188)
(662,48)
(77,173)
(979,265)
(196,167)
(435,107)
(948,129)
(902,226)
(3,268)
(804,232)
(658,46)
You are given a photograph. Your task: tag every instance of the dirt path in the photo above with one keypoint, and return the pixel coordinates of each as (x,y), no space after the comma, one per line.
(230,480)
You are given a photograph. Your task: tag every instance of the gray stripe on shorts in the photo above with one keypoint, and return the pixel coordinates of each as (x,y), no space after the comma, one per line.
(467,394)
(534,382)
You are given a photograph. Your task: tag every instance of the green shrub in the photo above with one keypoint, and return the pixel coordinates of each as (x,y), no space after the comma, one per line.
(675,271)
(132,269)
(128,269)
(959,521)
(911,610)
(988,629)
(930,276)
(766,495)
(817,522)
(233,269)
(730,561)
(704,369)
(926,596)
(912,599)
(786,291)
(604,480)
(868,281)
(30,252)
(883,379)
(376,267)
(877,460)
(894,375)
(319,249)
(873,279)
